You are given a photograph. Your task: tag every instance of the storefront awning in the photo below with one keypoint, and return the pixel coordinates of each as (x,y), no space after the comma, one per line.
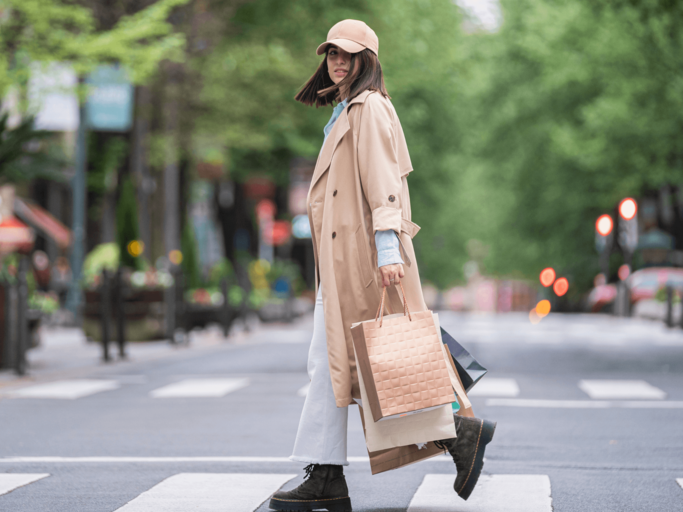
(43,221)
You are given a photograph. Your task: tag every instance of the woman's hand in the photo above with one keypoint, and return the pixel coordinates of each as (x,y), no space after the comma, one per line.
(391,274)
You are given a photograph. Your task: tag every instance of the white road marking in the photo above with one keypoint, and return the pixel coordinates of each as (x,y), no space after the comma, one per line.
(208,492)
(495,387)
(583,404)
(621,389)
(11,481)
(129,379)
(495,493)
(304,390)
(680,482)
(108,459)
(195,388)
(65,389)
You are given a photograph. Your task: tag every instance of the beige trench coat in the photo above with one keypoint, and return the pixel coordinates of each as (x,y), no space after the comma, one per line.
(359,186)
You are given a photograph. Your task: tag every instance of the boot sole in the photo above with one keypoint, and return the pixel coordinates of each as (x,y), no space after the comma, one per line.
(331,505)
(485,436)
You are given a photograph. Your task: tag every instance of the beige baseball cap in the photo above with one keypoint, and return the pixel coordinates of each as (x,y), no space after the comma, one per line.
(352,36)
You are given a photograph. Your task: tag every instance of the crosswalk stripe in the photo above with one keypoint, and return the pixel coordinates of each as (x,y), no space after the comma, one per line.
(208,492)
(495,493)
(225,459)
(680,482)
(196,388)
(495,387)
(11,481)
(621,389)
(65,389)
(583,404)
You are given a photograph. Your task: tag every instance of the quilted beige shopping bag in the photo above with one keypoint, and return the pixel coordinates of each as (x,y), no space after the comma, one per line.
(402,363)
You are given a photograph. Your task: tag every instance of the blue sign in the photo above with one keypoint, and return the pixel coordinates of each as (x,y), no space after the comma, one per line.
(110,101)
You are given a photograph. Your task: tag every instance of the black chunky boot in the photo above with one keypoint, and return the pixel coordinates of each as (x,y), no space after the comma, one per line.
(323,489)
(467,451)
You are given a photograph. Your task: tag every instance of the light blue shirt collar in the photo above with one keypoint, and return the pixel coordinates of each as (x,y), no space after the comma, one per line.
(335,114)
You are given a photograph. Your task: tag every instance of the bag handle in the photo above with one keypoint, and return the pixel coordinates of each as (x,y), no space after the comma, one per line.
(380,310)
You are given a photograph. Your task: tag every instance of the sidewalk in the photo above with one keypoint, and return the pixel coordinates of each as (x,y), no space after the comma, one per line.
(65,352)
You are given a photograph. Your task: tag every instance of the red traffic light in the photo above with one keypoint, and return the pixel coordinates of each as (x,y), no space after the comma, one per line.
(628,208)
(604,225)
(561,286)
(547,276)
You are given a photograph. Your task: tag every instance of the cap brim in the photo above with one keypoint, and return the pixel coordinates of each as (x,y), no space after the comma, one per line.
(344,44)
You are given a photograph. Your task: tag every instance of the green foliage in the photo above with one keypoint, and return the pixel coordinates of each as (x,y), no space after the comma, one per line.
(568,108)
(104,163)
(59,30)
(127,229)
(190,262)
(26,153)
(47,303)
(103,256)
(219,271)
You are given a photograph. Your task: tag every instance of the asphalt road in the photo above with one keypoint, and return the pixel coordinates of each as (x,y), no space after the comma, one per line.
(589,412)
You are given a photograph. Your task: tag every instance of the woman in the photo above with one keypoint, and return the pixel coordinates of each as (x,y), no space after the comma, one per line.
(359,210)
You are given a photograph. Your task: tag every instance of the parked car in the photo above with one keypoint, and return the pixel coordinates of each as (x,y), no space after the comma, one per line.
(644,285)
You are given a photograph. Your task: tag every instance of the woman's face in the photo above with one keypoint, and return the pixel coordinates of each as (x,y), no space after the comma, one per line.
(338,63)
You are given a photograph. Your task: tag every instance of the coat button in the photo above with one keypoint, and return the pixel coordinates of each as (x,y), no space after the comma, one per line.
(334,234)
(392,198)
(334,193)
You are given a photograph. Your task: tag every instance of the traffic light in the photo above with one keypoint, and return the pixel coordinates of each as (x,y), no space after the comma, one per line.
(628,227)
(561,286)
(603,233)
(547,276)
(628,208)
(603,240)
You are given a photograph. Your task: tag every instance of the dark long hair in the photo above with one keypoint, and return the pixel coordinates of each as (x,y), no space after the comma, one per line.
(365,72)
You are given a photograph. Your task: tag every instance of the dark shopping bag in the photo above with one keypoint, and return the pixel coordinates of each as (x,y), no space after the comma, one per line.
(469,369)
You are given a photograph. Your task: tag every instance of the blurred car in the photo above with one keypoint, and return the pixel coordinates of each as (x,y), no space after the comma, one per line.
(645,283)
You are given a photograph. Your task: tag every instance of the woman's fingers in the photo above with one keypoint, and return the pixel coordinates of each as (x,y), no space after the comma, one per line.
(391,274)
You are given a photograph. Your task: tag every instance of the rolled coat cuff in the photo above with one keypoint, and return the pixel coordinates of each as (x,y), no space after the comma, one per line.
(384,218)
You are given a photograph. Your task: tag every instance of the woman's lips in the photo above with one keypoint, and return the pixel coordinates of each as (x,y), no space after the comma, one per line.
(340,72)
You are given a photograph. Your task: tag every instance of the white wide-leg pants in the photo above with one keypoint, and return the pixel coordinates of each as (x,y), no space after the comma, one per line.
(321,438)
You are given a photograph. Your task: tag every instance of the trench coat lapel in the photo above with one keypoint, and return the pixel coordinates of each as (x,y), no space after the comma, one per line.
(341,126)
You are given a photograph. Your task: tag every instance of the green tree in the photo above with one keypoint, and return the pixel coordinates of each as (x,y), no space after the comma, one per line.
(190,262)
(26,153)
(127,224)
(568,108)
(59,30)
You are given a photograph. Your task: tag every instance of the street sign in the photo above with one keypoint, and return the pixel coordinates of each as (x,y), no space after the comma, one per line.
(110,101)
(52,96)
